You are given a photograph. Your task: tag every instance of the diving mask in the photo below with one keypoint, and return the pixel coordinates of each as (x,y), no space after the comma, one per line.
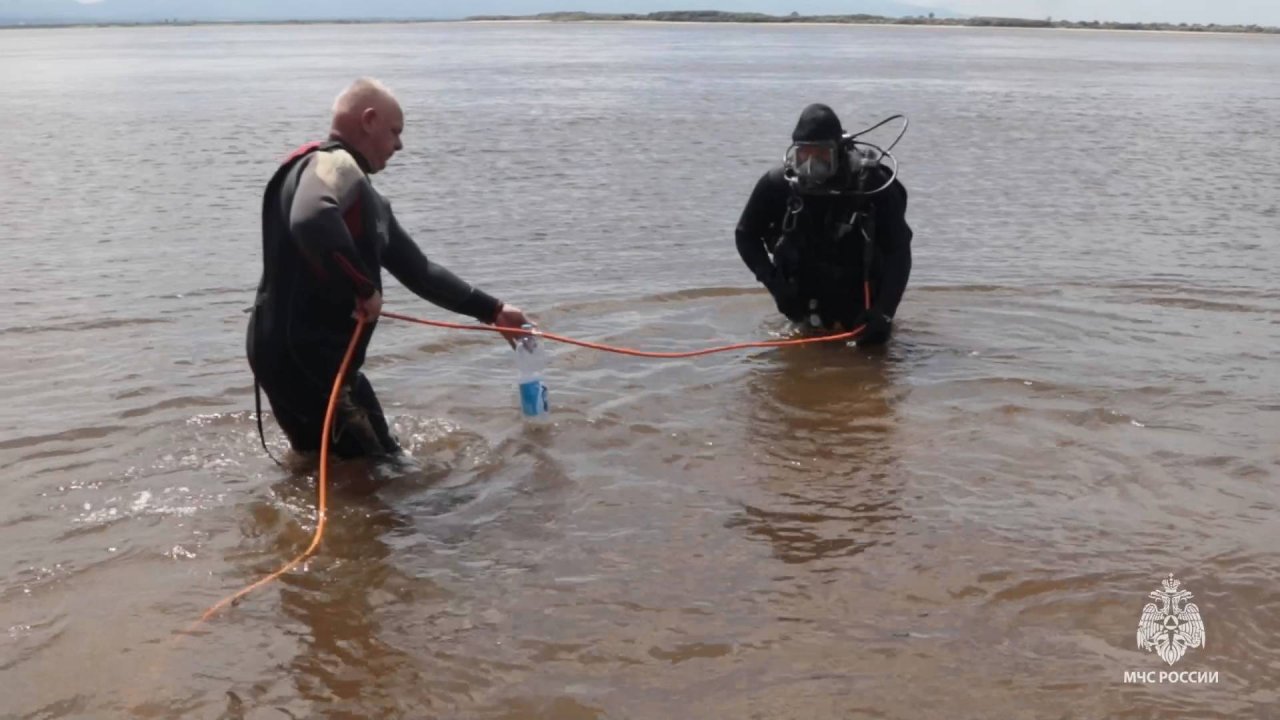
(812,163)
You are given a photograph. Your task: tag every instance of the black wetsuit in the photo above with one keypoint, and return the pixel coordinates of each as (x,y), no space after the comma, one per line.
(326,233)
(822,257)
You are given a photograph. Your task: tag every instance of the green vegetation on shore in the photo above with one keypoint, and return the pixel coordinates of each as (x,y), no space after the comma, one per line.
(717,16)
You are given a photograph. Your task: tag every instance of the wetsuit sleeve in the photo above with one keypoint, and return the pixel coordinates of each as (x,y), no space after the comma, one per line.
(894,240)
(325,219)
(759,220)
(432,281)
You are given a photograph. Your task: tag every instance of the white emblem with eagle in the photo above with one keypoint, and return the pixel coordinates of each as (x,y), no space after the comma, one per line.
(1171,627)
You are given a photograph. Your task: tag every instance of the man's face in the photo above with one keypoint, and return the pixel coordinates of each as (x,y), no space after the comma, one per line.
(813,162)
(382,125)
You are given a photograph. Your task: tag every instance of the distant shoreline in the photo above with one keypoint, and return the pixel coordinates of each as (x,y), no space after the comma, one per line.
(891,23)
(704,17)
(697,16)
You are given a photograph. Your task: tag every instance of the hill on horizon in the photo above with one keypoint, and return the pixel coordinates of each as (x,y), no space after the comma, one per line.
(130,11)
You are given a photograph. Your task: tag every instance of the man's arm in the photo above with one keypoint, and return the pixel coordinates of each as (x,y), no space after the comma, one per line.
(432,281)
(324,220)
(762,213)
(894,239)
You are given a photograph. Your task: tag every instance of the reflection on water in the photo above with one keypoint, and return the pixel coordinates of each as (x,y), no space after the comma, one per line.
(822,422)
(343,660)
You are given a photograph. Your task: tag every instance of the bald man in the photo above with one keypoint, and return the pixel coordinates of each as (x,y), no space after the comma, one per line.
(326,234)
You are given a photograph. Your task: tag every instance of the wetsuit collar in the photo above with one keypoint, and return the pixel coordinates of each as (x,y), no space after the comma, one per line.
(360,160)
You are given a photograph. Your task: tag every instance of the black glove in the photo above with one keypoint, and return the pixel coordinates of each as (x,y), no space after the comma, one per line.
(786,296)
(878,328)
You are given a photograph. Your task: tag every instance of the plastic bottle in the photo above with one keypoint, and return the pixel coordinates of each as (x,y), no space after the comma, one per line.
(531,360)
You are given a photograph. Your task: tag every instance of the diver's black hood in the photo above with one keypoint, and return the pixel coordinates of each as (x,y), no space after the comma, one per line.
(817,123)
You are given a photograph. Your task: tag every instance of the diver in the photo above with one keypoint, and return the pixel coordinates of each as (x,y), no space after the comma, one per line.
(826,231)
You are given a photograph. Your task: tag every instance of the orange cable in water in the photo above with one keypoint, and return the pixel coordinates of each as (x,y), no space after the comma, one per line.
(322,501)
(323,488)
(342,372)
(628,351)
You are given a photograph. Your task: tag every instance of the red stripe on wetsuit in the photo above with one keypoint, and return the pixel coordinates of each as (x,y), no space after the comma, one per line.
(355,225)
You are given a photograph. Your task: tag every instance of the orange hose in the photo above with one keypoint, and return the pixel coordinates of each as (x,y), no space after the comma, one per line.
(323,491)
(346,363)
(628,351)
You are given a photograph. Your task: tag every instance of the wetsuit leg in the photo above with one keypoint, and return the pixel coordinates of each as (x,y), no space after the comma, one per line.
(299,400)
(839,295)
(360,427)
(297,403)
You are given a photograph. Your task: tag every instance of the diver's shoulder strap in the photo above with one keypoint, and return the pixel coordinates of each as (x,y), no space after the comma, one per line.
(795,204)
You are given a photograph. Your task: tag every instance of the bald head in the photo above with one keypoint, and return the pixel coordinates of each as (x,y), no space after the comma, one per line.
(367,117)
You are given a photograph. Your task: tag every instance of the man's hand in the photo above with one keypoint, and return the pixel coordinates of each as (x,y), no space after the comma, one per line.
(369,308)
(785,296)
(878,328)
(510,316)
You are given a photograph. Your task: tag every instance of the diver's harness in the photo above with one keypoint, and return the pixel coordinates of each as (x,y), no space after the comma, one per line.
(862,158)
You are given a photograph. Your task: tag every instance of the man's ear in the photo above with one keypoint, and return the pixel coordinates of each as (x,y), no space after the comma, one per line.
(368,118)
